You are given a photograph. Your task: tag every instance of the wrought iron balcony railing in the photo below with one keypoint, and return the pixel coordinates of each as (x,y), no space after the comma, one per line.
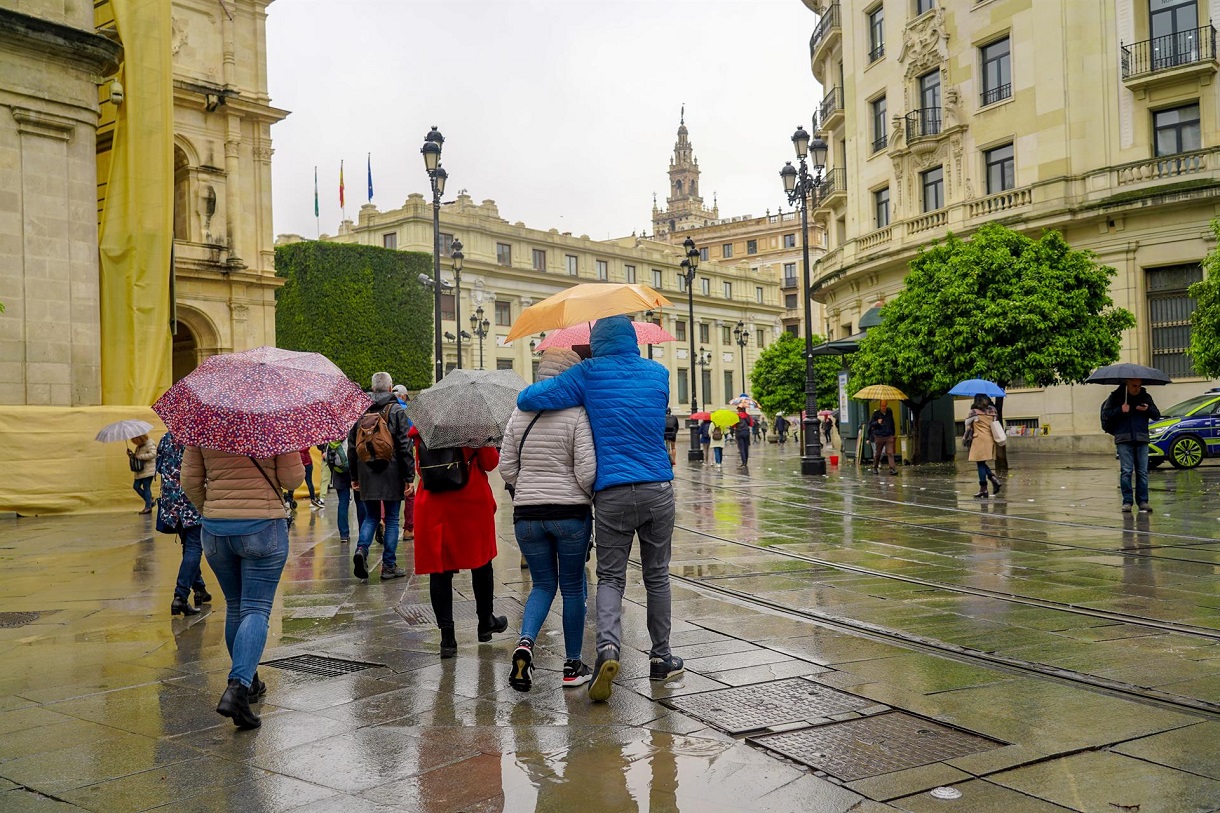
(829,22)
(835,180)
(996,94)
(1175,50)
(832,103)
(923,123)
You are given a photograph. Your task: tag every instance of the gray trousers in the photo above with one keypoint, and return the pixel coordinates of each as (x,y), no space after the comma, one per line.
(622,512)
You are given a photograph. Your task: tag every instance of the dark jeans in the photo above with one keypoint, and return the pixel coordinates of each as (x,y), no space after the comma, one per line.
(622,513)
(189,575)
(143,487)
(440,590)
(309,481)
(984,473)
(1133,460)
(555,552)
(743,449)
(248,569)
(345,498)
(375,512)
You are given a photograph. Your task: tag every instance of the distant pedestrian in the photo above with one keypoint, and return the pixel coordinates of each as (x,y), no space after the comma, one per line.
(1126,415)
(671,436)
(705,440)
(717,444)
(336,460)
(408,500)
(315,501)
(176,515)
(742,434)
(245,538)
(143,460)
(763,426)
(882,431)
(549,460)
(625,396)
(755,432)
(982,444)
(383,471)
(455,529)
(828,428)
(781,429)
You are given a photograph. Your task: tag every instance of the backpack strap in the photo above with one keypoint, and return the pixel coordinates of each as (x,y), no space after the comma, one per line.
(276,487)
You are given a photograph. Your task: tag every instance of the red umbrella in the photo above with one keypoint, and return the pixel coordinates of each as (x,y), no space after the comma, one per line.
(645,333)
(701,416)
(262,402)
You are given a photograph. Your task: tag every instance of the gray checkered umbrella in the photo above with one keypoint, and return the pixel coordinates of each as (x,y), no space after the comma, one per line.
(466,408)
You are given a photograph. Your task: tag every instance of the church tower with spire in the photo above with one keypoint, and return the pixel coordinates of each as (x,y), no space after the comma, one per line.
(683,206)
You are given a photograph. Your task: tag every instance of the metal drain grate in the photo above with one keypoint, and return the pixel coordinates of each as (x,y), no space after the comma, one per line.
(869,746)
(18,619)
(766,705)
(321,665)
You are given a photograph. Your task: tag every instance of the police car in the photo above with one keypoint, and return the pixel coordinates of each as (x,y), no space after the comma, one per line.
(1187,432)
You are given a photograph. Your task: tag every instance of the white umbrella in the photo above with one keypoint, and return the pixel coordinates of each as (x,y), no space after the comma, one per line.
(123,430)
(467,408)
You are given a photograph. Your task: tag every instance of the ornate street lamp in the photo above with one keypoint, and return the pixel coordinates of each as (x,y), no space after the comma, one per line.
(689,266)
(801,186)
(436,175)
(481,328)
(741,335)
(705,361)
(455,253)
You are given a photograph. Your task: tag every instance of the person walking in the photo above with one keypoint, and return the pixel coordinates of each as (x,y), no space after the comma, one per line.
(717,444)
(142,460)
(383,472)
(336,460)
(245,539)
(550,464)
(408,500)
(455,529)
(1126,415)
(763,426)
(671,436)
(982,443)
(315,501)
(754,431)
(781,429)
(705,440)
(882,429)
(176,515)
(742,433)
(828,428)
(625,396)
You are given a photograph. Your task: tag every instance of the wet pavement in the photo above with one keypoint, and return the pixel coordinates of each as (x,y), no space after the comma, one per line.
(852,643)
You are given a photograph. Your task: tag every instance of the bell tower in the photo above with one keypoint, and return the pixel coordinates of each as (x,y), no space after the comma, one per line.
(684,204)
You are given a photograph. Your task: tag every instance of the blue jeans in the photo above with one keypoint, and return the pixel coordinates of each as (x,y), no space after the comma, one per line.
(984,472)
(1133,458)
(143,487)
(248,569)
(718,452)
(189,577)
(376,511)
(345,497)
(555,552)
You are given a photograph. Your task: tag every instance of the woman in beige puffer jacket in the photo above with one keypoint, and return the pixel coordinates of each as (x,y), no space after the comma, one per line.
(551,474)
(245,539)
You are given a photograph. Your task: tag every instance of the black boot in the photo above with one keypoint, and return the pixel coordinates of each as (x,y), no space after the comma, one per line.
(497,623)
(448,642)
(982,490)
(995,485)
(257,689)
(181,606)
(202,596)
(235,704)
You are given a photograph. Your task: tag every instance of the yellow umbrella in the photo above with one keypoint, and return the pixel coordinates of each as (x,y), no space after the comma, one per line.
(881,392)
(724,418)
(586,302)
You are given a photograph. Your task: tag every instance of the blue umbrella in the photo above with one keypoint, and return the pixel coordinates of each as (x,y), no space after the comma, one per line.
(977,386)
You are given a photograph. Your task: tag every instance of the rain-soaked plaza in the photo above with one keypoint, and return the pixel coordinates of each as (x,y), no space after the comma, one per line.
(893,637)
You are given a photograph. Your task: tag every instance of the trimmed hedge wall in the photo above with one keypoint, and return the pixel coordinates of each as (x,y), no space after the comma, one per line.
(362,307)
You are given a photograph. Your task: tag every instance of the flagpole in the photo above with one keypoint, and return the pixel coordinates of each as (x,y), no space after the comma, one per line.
(342,202)
(316,213)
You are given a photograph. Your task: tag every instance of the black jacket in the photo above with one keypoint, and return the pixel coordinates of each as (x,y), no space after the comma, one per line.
(390,482)
(1132,426)
(671,427)
(881,425)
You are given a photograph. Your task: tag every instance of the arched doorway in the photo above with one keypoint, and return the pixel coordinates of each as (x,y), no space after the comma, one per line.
(195,339)
(186,351)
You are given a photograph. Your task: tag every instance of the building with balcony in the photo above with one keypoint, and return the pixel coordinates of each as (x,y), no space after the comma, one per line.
(509,266)
(1097,118)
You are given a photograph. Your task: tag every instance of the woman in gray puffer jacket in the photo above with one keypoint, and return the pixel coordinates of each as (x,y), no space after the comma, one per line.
(549,462)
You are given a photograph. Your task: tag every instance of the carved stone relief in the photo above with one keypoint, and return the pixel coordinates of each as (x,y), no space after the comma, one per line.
(925,43)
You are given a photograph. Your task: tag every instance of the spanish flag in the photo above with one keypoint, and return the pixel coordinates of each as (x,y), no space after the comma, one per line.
(340,184)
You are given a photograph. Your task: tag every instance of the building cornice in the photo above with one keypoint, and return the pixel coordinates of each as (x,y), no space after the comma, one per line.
(85,50)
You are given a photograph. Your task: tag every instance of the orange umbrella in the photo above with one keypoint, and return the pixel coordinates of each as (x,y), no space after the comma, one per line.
(586,302)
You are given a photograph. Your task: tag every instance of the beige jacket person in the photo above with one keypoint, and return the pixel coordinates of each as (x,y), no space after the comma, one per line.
(228,486)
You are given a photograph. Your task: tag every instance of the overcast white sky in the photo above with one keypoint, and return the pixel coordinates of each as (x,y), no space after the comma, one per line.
(563,112)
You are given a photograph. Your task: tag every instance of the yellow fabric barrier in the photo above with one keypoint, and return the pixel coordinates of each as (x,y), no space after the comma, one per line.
(136,235)
(54,466)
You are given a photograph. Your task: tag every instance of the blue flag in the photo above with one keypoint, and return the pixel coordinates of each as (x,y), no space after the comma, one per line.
(370,177)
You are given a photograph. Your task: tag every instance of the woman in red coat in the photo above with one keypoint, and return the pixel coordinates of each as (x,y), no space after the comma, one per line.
(456,530)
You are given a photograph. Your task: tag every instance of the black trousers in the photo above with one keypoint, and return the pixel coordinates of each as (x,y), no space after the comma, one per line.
(440,590)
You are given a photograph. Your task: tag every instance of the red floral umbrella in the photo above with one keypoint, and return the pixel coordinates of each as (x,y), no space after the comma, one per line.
(645,333)
(262,402)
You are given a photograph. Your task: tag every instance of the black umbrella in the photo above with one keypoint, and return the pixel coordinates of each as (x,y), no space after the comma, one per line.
(1120,373)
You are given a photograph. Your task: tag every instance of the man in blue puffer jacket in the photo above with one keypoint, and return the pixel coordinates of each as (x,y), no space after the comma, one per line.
(626,397)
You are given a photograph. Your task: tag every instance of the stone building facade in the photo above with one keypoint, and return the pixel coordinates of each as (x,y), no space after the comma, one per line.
(1097,118)
(509,266)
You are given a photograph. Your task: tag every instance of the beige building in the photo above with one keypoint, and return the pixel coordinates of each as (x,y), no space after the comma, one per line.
(770,243)
(509,266)
(1098,118)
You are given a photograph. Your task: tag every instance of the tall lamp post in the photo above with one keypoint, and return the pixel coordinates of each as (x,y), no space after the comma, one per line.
(689,266)
(455,254)
(436,175)
(801,186)
(742,336)
(481,328)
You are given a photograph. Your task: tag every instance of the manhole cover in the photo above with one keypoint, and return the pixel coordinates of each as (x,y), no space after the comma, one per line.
(18,619)
(765,705)
(321,665)
(875,745)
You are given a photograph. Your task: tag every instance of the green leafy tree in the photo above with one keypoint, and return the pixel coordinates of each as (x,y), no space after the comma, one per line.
(778,377)
(362,307)
(1205,321)
(1001,306)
